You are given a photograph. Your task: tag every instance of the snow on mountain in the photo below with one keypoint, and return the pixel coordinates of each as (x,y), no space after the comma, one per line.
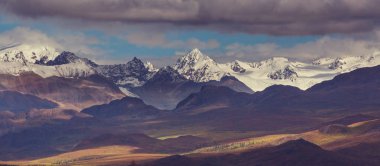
(274,71)
(198,67)
(349,63)
(150,67)
(27,54)
(238,66)
(132,74)
(47,61)
(128,92)
(43,60)
(66,58)
(260,75)
(68,70)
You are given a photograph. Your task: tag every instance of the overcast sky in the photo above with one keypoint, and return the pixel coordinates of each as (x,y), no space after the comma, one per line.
(114,31)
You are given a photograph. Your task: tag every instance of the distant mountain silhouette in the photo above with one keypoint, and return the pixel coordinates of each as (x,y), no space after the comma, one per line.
(128,107)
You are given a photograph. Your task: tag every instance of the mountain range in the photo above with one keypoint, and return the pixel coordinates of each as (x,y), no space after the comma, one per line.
(195,66)
(136,78)
(55,102)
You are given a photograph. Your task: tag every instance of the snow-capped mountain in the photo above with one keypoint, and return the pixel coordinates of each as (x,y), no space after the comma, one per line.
(65,58)
(198,67)
(44,61)
(347,64)
(274,71)
(132,74)
(260,75)
(23,53)
(47,61)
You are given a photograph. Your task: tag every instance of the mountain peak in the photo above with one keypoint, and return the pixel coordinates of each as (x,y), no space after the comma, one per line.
(195,52)
(136,60)
(65,57)
(136,64)
(192,58)
(198,67)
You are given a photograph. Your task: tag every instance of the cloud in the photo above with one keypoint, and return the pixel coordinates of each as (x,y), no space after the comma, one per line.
(77,43)
(324,47)
(260,51)
(159,40)
(21,35)
(274,17)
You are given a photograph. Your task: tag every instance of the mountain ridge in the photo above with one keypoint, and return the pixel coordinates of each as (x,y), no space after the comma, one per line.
(195,66)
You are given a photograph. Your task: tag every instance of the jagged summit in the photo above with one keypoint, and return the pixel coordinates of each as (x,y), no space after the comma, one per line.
(65,57)
(198,67)
(131,74)
(196,50)
(193,59)
(136,65)
(136,60)
(196,54)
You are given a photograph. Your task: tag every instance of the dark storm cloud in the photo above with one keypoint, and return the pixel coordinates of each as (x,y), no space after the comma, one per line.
(275,17)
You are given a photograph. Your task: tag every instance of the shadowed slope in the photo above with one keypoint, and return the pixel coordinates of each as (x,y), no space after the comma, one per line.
(18,102)
(127,106)
(214,96)
(81,92)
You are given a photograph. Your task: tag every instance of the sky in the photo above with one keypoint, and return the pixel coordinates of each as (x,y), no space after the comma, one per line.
(115,31)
